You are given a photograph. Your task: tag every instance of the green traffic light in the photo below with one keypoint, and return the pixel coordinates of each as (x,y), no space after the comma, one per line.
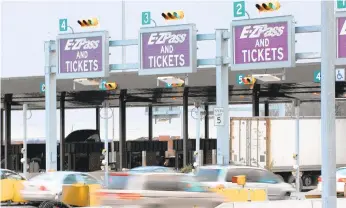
(271,5)
(90,22)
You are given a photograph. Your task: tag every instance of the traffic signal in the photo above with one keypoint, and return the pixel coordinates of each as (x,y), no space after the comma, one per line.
(110,86)
(249,80)
(268,7)
(177,15)
(88,22)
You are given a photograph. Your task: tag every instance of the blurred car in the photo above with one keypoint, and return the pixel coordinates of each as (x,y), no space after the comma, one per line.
(213,176)
(8,180)
(151,169)
(340,180)
(48,186)
(160,190)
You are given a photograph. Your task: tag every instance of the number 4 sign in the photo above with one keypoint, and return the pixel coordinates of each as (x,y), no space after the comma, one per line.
(62,25)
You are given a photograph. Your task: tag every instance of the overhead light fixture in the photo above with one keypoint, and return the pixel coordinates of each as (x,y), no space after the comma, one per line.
(266,77)
(171,80)
(88,82)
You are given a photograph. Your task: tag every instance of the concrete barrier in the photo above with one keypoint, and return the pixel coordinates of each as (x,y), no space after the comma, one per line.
(308,203)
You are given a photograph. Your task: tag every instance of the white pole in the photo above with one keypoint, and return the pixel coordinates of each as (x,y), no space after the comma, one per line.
(25,119)
(198,130)
(123,31)
(297,112)
(106,142)
(113,137)
(328,56)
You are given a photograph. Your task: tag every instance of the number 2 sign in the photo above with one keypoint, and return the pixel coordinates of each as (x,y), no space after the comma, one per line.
(239,9)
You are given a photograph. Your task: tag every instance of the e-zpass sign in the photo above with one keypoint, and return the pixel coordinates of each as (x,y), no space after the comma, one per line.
(83,56)
(262,43)
(168,48)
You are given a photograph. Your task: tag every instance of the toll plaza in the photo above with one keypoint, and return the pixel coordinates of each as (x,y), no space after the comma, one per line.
(257,68)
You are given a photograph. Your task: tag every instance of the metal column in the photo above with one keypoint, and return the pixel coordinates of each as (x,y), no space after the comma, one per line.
(122,130)
(150,123)
(1,128)
(297,114)
(266,109)
(222,96)
(185,124)
(328,55)
(25,137)
(98,118)
(7,153)
(206,122)
(106,107)
(50,103)
(255,100)
(62,130)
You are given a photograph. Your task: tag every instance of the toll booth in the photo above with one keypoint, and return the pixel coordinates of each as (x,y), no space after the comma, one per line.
(207,145)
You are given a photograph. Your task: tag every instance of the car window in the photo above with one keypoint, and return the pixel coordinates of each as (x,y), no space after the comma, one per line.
(10,175)
(87,179)
(268,177)
(117,182)
(235,172)
(70,179)
(175,183)
(208,175)
(341,171)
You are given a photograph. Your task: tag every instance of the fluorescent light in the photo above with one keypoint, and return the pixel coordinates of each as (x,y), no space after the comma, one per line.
(88,82)
(266,77)
(171,80)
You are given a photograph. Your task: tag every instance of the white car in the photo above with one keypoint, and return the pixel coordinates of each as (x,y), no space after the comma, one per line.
(340,180)
(213,176)
(48,186)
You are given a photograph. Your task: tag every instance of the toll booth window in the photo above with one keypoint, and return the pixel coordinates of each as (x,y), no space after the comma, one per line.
(70,179)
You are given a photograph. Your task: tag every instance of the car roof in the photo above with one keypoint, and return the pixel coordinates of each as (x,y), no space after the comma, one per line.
(229,167)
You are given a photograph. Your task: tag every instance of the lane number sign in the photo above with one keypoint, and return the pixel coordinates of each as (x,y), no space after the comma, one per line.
(62,25)
(239,80)
(146,18)
(239,9)
(341,4)
(42,87)
(339,75)
(218,117)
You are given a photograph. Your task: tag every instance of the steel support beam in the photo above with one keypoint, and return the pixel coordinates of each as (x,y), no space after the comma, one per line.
(328,140)
(150,122)
(62,130)
(98,118)
(222,96)
(7,142)
(185,125)
(122,130)
(255,100)
(266,108)
(1,128)
(206,122)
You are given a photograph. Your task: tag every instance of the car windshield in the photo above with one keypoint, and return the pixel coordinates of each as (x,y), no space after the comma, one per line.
(52,176)
(208,175)
(269,177)
(341,171)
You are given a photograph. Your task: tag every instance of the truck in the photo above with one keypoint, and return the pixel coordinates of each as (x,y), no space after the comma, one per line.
(270,142)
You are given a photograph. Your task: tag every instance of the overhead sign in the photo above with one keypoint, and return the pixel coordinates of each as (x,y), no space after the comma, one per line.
(83,55)
(239,80)
(341,38)
(264,43)
(239,9)
(341,4)
(339,75)
(218,117)
(63,25)
(167,50)
(146,18)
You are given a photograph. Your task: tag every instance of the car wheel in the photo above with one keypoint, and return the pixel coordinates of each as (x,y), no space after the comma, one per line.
(292,180)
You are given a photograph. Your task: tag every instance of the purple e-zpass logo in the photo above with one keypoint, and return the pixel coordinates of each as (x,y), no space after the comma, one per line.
(80,55)
(167,49)
(260,43)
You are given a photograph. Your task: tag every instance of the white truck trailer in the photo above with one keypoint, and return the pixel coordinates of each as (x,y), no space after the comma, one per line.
(270,143)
